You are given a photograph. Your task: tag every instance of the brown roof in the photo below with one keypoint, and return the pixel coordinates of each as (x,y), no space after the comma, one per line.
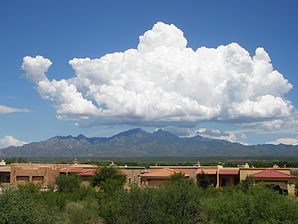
(271,173)
(207,171)
(229,171)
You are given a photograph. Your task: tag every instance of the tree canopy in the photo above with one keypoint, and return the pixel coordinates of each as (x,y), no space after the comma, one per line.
(108,179)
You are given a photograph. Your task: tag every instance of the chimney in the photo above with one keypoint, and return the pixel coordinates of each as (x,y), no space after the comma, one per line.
(2,163)
(275,166)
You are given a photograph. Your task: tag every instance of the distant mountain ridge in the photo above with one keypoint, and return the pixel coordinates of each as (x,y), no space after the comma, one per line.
(139,143)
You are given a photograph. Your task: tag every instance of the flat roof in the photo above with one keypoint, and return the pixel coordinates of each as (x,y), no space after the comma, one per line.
(4,169)
(184,167)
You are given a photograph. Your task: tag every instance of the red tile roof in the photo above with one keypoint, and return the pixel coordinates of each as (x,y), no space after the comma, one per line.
(271,173)
(229,171)
(88,173)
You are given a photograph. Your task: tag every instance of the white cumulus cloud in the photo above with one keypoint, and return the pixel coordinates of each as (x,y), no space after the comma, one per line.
(285,141)
(231,136)
(285,125)
(5,110)
(163,81)
(10,141)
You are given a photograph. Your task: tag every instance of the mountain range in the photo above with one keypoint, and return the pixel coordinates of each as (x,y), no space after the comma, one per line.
(139,143)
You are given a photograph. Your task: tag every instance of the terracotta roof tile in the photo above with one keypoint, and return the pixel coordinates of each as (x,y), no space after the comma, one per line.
(88,173)
(271,173)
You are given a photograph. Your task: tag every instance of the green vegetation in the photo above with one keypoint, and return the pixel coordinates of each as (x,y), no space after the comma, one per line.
(258,205)
(165,161)
(15,160)
(203,180)
(68,183)
(178,201)
(108,179)
(24,205)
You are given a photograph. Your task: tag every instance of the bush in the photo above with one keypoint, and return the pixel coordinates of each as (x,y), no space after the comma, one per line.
(258,205)
(68,183)
(203,180)
(176,202)
(24,205)
(81,212)
(108,179)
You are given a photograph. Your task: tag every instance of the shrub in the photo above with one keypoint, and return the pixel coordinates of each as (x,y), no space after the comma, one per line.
(24,205)
(203,180)
(68,183)
(108,179)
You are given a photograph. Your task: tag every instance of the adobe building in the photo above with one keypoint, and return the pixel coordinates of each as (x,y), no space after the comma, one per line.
(275,176)
(133,174)
(219,176)
(158,176)
(223,177)
(45,174)
(4,174)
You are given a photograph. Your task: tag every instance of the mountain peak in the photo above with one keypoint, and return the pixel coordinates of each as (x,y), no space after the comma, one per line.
(131,132)
(139,143)
(162,132)
(80,136)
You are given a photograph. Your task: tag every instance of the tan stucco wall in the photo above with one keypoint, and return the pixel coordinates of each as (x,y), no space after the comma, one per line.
(153,182)
(43,174)
(132,175)
(291,188)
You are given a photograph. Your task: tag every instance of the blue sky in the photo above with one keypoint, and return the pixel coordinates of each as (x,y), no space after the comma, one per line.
(63,30)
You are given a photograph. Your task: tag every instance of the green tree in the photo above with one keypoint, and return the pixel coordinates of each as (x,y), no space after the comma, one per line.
(113,208)
(108,179)
(68,183)
(177,202)
(81,212)
(203,180)
(247,184)
(258,205)
(24,205)
(177,176)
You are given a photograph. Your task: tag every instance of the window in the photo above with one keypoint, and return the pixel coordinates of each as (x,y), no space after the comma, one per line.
(22,179)
(37,179)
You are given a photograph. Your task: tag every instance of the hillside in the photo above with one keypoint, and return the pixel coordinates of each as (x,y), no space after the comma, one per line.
(139,143)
